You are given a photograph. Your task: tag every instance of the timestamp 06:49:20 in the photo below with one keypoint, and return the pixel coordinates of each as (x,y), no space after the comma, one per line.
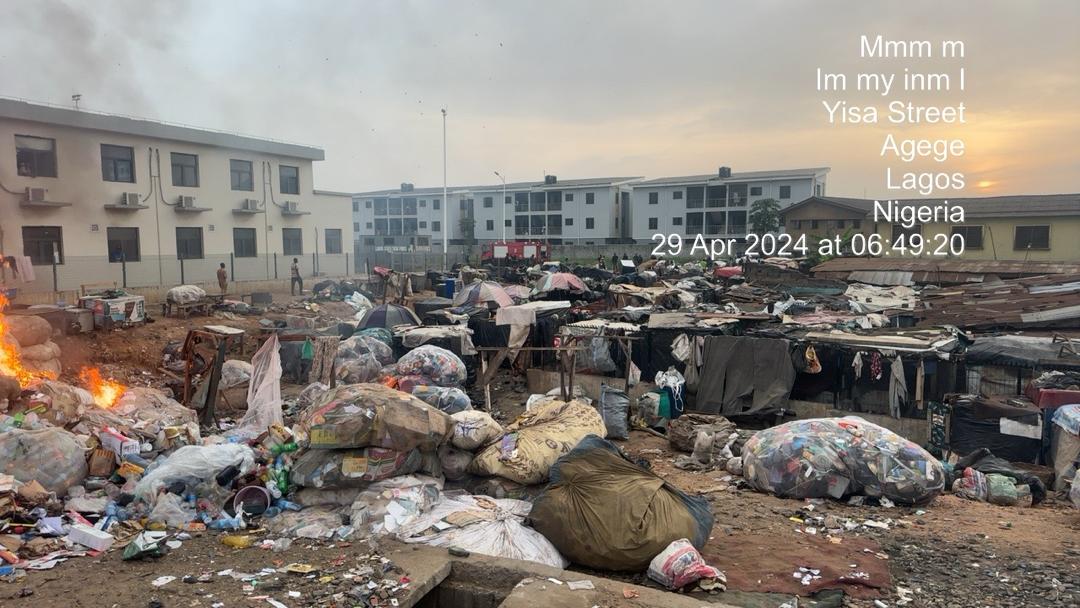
(787,245)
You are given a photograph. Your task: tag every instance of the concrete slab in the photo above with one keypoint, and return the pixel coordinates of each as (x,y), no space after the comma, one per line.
(544,592)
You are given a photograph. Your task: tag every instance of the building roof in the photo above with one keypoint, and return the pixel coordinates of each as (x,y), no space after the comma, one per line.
(1025,205)
(82,119)
(736,177)
(561,184)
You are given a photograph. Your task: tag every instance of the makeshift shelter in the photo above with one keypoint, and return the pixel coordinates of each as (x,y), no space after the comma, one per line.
(559,282)
(483,292)
(387,316)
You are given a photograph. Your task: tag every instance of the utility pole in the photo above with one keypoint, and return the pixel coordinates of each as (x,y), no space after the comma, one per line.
(503,205)
(446,201)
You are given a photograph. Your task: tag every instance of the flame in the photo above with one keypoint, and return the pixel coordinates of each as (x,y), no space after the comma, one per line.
(105,392)
(10,362)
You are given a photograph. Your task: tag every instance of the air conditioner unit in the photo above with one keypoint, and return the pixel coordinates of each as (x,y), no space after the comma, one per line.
(129,199)
(291,206)
(550,179)
(406,187)
(35,195)
(724,172)
(251,204)
(187,202)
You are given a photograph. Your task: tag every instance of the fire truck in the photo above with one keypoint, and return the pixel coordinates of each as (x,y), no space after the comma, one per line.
(516,250)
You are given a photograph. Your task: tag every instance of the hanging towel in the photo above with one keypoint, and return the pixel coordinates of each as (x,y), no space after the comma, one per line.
(897,387)
(856,365)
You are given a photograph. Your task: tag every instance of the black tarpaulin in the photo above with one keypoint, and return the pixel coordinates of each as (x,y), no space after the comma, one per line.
(743,374)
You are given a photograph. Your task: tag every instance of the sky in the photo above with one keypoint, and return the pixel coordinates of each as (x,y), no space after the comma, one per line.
(570,88)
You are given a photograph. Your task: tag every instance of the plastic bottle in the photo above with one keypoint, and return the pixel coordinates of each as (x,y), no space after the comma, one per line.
(271,512)
(288,505)
(137,460)
(284,448)
(228,523)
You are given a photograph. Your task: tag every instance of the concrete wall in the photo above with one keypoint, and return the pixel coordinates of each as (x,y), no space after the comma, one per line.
(914,429)
(85,222)
(998,238)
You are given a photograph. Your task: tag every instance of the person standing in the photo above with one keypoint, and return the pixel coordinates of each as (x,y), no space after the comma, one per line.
(296,280)
(614,263)
(222,278)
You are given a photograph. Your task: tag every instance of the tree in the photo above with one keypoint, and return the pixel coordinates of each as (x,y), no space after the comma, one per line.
(765,215)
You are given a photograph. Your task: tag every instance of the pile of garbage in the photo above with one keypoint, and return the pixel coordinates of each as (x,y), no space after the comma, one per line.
(30,336)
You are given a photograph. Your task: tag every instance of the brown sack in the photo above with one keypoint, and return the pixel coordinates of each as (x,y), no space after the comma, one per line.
(41,352)
(537,439)
(363,415)
(605,512)
(28,329)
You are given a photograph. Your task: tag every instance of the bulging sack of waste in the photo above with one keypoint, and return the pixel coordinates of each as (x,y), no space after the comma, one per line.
(454,463)
(537,439)
(28,330)
(683,431)
(185,294)
(194,464)
(483,525)
(835,457)
(235,373)
(385,506)
(357,345)
(680,564)
(68,403)
(605,512)
(439,365)
(352,468)
(53,457)
(473,429)
(363,415)
(615,412)
(362,368)
(447,398)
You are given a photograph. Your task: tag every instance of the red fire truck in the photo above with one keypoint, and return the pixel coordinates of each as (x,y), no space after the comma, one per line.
(514,250)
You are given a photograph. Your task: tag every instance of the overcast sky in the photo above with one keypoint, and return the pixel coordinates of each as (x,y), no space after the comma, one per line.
(573,88)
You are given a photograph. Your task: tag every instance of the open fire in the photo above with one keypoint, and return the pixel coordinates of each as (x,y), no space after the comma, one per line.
(105,392)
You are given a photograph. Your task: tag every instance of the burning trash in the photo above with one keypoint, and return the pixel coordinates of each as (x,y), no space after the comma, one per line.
(105,392)
(26,353)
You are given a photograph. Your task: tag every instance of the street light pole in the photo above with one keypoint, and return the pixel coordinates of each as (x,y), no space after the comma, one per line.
(446,201)
(503,206)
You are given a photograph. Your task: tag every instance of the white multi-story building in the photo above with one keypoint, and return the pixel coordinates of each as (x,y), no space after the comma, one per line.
(717,204)
(578,211)
(98,198)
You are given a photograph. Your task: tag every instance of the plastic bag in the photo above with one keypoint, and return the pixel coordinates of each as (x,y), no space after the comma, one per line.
(605,512)
(473,428)
(194,464)
(235,373)
(185,294)
(363,368)
(387,505)
(615,412)
(379,333)
(320,522)
(264,389)
(537,439)
(454,462)
(172,510)
(311,393)
(52,456)
(823,457)
(362,415)
(483,525)
(352,468)
(358,302)
(972,485)
(597,355)
(439,365)
(680,564)
(447,398)
(357,346)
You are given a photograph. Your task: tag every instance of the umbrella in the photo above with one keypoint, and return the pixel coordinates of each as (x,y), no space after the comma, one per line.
(563,281)
(482,292)
(387,316)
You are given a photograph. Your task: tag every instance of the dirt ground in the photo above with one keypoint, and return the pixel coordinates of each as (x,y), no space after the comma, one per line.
(952,553)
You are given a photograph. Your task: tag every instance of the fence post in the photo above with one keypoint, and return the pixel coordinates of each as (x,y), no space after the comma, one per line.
(182,280)
(232,267)
(275,265)
(346,264)
(123,268)
(55,281)
(314,265)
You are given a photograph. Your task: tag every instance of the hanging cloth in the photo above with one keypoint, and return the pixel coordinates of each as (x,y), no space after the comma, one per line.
(897,387)
(856,365)
(813,366)
(875,366)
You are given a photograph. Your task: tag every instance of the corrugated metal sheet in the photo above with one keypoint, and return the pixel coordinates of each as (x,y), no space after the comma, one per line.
(998,267)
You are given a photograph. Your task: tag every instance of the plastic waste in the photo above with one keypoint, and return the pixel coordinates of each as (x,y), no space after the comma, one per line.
(171,510)
(352,468)
(473,429)
(238,541)
(148,543)
(439,365)
(264,390)
(192,464)
(448,399)
(363,415)
(680,564)
(615,412)
(235,373)
(53,457)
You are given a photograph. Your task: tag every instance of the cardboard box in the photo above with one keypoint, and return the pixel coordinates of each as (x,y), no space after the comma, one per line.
(90,537)
(112,440)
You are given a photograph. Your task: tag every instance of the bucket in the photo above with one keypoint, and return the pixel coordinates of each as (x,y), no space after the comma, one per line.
(253,500)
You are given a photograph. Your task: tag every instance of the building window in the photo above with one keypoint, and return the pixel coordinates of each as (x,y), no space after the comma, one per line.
(292,241)
(436,227)
(356,226)
(380,206)
(796,224)
(589,223)
(1031,237)
(395,206)
(423,225)
(289,178)
(973,236)
(242,175)
(356,206)
(856,224)
(654,198)
(899,230)
(676,221)
(185,170)
(490,225)
(423,241)
(388,240)
(408,206)
(369,241)
(189,243)
(677,195)
(817,189)
(489,202)
(243,242)
(123,244)
(569,221)
(755,190)
(333,240)
(590,198)
(367,204)
(814,224)
(653,223)
(118,164)
(435,204)
(839,223)
(508,223)
(35,157)
(39,242)
(569,197)
(785,192)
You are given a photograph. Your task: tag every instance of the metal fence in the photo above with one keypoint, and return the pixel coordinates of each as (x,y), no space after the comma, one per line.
(154,271)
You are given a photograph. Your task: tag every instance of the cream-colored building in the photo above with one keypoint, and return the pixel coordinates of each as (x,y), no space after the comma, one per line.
(140,203)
